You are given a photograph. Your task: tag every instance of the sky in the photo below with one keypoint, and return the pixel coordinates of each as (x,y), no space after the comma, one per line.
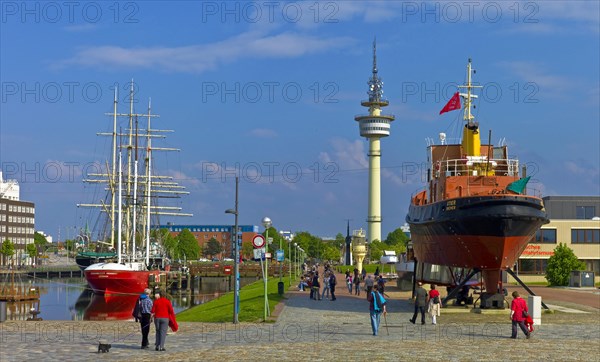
(269,91)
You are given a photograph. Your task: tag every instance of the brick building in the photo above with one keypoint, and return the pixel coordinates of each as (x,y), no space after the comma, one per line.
(222,233)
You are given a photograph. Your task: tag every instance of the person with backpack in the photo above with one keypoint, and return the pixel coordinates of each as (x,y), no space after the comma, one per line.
(142,312)
(376,307)
(434,303)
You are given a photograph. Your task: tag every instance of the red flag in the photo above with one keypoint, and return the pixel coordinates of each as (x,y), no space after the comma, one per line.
(453,104)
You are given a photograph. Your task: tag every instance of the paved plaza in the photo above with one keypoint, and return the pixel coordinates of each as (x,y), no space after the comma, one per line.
(305,329)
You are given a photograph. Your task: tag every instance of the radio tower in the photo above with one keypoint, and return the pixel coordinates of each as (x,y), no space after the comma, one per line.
(374,126)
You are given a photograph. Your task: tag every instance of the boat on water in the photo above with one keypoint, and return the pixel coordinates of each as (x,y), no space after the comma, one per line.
(130,207)
(475,214)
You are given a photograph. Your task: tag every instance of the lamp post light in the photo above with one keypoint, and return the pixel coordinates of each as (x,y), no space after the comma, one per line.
(289,240)
(280,284)
(236,258)
(296,259)
(267,224)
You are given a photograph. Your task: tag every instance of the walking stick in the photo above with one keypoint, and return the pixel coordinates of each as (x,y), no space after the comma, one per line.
(386,326)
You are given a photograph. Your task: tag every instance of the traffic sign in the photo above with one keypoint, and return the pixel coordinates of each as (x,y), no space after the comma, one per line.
(259,253)
(227,270)
(268,255)
(270,240)
(258,241)
(280,256)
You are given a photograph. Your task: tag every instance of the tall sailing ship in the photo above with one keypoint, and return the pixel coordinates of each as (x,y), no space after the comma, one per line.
(475,213)
(131,204)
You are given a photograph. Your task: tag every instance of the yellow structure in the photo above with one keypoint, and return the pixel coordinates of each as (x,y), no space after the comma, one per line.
(359,248)
(374,126)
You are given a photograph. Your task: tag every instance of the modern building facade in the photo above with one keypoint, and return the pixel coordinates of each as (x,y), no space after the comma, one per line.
(222,233)
(17,221)
(574,221)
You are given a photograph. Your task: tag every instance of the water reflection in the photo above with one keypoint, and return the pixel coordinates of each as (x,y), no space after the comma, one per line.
(70,299)
(110,307)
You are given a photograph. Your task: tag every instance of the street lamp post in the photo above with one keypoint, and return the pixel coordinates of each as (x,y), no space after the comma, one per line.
(296,260)
(236,258)
(290,259)
(267,224)
(280,284)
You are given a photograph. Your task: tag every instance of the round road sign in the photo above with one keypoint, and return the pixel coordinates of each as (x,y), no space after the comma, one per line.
(258,241)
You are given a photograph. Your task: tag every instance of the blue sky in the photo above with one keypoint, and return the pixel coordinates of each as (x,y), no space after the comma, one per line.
(270,89)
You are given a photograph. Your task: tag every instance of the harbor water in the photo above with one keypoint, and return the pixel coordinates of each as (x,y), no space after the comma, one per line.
(72,300)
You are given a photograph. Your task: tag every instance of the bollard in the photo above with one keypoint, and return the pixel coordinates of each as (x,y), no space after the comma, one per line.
(2,311)
(534,303)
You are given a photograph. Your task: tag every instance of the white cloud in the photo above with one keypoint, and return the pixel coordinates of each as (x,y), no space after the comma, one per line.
(351,156)
(550,84)
(205,57)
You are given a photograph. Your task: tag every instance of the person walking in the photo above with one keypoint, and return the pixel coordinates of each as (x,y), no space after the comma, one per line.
(326,286)
(376,307)
(369,282)
(420,303)
(161,310)
(434,304)
(332,283)
(356,282)
(349,281)
(518,314)
(144,303)
(316,287)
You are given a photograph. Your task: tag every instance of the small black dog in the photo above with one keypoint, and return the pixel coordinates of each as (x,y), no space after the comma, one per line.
(103,347)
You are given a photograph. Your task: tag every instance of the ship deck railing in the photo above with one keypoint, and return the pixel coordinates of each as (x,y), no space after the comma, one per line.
(464,167)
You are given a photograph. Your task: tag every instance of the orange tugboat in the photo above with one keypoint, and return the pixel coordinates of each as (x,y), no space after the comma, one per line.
(474,216)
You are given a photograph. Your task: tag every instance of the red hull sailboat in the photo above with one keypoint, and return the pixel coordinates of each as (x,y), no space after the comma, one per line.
(133,199)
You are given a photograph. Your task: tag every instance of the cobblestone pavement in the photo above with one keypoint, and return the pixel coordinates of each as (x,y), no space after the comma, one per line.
(317,331)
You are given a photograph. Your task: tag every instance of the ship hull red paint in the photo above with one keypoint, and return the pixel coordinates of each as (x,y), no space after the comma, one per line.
(488,233)
(118,281)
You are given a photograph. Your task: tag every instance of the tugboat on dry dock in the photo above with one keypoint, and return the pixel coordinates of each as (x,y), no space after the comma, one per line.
(131,207)
(475,214)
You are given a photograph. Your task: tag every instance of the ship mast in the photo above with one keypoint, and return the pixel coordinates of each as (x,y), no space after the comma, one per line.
(471,140)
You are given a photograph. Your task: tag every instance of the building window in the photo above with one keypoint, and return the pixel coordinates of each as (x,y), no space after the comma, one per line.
(585,212)
(592,265)
(532,266)
(544,236)
(585,236)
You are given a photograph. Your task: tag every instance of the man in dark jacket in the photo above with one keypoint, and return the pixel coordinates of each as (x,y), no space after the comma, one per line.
(332,284)
(420,303)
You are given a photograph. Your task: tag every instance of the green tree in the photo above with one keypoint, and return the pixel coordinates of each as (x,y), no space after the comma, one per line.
(561,264)
(7,250)
(31,251)
(213,247)
(40,241)
(330,252)
(187,245)
(376,249)
(397,237)
(247,249)
(169,242)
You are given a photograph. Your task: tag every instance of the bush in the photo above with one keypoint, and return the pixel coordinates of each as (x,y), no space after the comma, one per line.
(561,264)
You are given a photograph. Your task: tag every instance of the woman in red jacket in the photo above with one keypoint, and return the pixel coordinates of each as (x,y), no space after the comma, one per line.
(162,309)
(517,307)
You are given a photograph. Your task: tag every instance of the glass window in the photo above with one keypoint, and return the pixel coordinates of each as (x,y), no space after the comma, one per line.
(547,236)
(532,266)
(580,236)
(585,212)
